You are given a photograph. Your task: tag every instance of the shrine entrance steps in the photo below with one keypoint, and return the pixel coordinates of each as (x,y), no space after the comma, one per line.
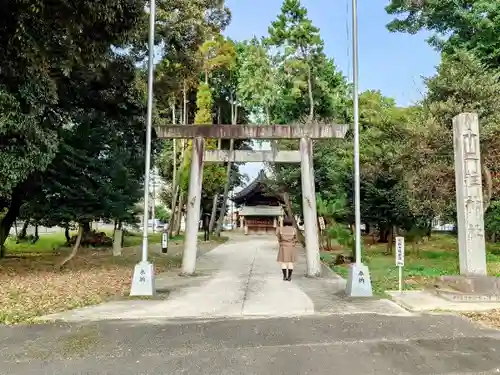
(238,279)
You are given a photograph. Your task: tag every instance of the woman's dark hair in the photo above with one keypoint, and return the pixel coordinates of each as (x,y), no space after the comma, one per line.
(287,222)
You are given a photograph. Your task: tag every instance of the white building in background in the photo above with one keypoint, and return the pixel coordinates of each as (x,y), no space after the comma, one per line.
(440,225)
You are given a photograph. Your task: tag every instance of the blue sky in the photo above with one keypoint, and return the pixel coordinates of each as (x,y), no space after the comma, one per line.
(391,62)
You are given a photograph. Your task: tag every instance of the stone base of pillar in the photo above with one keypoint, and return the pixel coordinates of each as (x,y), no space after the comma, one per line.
(143,281)
(358,281)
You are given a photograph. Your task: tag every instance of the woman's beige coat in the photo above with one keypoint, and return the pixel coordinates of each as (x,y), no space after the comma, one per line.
(287,239)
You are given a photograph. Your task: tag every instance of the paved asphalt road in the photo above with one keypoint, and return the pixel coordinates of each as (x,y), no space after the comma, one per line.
(357,344)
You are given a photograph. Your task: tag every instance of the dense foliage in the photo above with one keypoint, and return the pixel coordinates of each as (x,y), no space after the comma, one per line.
(73,95)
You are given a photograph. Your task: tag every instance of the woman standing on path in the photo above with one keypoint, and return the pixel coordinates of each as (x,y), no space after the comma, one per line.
(287,239)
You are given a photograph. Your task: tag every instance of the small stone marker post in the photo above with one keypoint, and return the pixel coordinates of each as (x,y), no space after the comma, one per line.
(321,223)
(164,241)
(400,260)
(322,227)
(469,190)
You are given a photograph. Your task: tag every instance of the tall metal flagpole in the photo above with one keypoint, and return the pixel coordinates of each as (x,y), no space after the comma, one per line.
(359,283)
(143,279)
(355,85)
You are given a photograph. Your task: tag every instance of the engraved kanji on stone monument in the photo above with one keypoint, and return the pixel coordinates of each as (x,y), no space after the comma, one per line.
(469,193)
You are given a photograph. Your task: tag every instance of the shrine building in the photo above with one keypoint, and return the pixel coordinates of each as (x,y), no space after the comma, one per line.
(260,211)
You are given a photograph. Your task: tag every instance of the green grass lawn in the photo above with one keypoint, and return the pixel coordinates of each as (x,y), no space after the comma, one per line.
(54,241)
(433,258)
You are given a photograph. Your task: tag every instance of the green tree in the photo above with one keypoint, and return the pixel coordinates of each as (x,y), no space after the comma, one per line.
(257,86)
(162,213)
(213,174)
(39,54)
(462,84)
(472,25)
(98,170)
(301,48)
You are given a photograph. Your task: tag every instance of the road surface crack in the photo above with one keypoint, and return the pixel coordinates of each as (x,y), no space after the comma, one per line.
(247,286)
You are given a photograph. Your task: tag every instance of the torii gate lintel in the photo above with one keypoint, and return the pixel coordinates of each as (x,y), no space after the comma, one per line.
(267,132)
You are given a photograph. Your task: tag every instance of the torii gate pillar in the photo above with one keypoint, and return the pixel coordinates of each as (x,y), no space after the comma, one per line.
(193,207)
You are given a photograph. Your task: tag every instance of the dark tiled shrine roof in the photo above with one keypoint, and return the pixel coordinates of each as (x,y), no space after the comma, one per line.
(252,187)
(256,186)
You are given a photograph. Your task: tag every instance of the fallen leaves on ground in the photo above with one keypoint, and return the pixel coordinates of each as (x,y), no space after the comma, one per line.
(489,318)
(31,285)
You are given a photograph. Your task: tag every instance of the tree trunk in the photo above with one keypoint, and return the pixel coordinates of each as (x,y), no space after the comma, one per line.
(429,231)
(120,227)
(219,141)
(234,118)
(24,230)
(390,239)
(311,97)
(178,220)
(81,229)
(176,192)
(184,103)
(173,208)
(173,204)
(36,237)
(86,227)
(66,234)
(289,213)
(214,214)
(383,234)
(6,223)
(226,192)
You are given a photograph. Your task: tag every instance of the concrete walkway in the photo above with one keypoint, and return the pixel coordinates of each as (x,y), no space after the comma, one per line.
(238,279)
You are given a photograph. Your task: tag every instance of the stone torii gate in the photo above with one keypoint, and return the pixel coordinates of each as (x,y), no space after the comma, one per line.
(198,133)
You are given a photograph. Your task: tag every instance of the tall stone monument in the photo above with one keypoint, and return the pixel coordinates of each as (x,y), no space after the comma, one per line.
(469,193)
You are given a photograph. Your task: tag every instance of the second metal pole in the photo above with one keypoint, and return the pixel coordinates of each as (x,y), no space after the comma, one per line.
(149,124)
(357,186)
(358,281)
(400,280)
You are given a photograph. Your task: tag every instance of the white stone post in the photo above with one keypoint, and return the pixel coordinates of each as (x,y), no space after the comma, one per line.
(117,242)
(275,222)
(309,207)
(281,221)
(469,190)
(242,222)
(193,207)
